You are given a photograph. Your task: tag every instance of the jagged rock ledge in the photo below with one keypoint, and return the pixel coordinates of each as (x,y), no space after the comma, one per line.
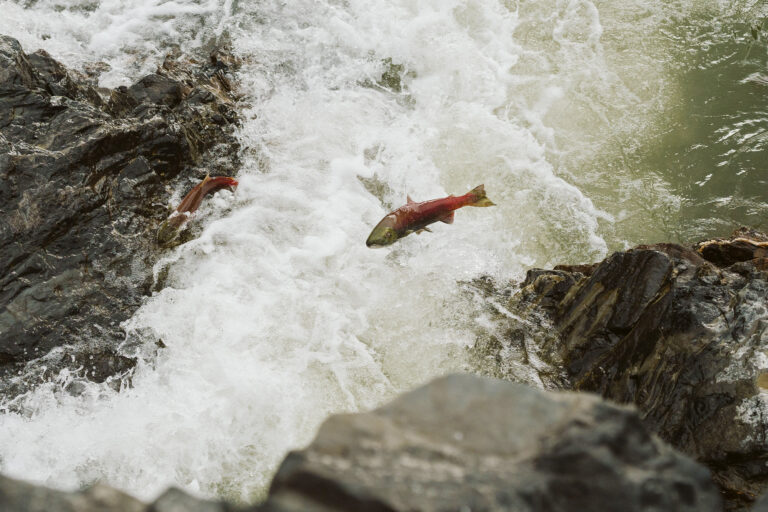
(85,177)
(680,332)
(460,443)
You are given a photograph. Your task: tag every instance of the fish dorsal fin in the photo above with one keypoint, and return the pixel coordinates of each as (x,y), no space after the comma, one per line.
(408,198)
(448,219)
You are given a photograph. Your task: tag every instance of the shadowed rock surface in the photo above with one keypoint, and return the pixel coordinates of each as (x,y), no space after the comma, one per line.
(85,179)
(470,443)
(17,496)
(682,332)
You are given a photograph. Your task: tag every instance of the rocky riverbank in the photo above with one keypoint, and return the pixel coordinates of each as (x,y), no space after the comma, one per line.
(86,176)
(680,332)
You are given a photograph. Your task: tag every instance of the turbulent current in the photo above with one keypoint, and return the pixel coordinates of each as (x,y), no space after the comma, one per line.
(594,125)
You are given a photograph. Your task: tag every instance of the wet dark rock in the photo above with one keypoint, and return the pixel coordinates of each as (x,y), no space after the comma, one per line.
(581,269)
(682,332)
(471,443)
(85,177)
(156,90)
(744,245)
(516,340)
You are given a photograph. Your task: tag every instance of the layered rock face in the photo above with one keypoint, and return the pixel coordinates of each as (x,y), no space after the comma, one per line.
(681,332)
(85,178)
(459,443)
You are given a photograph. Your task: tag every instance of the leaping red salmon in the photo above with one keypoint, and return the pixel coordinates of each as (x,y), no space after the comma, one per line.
(415,217)
(191,202)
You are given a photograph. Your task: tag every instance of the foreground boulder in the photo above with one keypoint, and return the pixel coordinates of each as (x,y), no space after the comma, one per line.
(85,177)
(471,443)
(682,332)
(459,443)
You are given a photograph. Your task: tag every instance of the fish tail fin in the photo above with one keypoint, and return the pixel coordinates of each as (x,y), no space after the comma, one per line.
(478,197)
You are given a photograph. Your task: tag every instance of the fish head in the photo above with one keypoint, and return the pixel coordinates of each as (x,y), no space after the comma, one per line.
(169,229)
(384,233)
(232,183)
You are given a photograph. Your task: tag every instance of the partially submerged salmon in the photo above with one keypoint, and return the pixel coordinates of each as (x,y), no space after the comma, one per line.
(415,217)
(191,202)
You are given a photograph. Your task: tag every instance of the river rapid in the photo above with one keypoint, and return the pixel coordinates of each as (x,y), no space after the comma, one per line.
(594,125)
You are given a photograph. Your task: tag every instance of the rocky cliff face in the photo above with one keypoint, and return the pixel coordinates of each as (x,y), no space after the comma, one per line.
(85,179)
(681,332)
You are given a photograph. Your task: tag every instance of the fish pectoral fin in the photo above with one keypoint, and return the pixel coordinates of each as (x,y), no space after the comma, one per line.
(420,231)
(448,219)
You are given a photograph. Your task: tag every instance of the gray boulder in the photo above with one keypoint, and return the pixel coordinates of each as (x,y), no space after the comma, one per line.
(466,443)
(17,496)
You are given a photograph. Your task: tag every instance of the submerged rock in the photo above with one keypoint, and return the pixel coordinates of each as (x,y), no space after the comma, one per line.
(471,443)
(85,176)
(682,332)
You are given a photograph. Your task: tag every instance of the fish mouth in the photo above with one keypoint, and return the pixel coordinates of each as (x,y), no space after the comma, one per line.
(384,233)
(373,245)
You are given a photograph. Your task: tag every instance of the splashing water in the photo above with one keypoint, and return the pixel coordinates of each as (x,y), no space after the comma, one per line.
(278,315)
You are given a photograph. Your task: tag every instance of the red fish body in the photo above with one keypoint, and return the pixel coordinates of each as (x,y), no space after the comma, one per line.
(414,217)
(190,204)
(192,200)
